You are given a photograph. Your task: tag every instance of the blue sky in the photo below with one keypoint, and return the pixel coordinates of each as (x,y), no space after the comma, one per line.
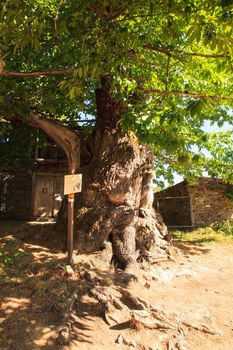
(208,127)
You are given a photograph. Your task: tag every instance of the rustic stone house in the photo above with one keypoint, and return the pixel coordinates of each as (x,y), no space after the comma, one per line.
(35,194)
(187,205)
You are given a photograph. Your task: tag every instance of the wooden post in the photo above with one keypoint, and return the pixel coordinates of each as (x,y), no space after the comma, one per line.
(72,185)
(70,231)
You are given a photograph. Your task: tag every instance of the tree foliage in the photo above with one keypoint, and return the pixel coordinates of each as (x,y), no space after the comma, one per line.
(170,62)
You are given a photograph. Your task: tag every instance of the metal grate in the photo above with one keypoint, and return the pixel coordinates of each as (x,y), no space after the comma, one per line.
(176,211)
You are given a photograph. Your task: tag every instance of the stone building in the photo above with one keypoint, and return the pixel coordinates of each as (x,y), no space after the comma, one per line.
(187,205)
(34,194)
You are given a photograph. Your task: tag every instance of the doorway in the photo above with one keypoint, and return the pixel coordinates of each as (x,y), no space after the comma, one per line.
(48,192)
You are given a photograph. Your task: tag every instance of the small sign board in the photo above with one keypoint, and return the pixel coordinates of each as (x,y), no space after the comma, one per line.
(72,183)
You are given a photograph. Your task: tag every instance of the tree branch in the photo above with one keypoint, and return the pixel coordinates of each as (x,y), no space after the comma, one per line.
(86,121)
(64,137)
(183,93)
(34,74)
(167,51)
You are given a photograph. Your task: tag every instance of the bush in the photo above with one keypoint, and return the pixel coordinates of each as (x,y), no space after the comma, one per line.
(225,227)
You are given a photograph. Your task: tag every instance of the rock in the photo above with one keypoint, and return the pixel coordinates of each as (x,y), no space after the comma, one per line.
(69,271)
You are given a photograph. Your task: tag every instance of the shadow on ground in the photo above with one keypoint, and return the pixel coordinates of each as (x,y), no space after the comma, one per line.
(33,285)
(192,248)
(35,290)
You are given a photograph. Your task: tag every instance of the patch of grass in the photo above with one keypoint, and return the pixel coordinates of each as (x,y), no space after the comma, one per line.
(215,233)
(11,252)
(225,227)
(9,260)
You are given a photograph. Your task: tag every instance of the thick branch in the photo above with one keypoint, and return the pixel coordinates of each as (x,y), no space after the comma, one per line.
(67,139)
(183,93)
(33,74)
(167,51)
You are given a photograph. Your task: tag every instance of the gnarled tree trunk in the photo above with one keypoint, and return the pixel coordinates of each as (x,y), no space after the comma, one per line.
(117,204)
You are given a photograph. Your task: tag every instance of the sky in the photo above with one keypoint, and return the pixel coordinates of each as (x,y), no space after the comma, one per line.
(207,128)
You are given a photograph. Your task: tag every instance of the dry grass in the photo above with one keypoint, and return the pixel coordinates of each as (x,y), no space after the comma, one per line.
(32,267)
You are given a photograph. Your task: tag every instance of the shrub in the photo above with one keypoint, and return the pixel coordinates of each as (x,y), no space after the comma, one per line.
(225,227)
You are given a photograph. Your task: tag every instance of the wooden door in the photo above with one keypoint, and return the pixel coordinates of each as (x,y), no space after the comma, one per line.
(48,195)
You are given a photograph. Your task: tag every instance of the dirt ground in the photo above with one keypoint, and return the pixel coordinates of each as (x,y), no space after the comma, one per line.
(194,292)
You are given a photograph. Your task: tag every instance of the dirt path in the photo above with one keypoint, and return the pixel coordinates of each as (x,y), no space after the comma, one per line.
(203,291)
(198,289)
(34,289)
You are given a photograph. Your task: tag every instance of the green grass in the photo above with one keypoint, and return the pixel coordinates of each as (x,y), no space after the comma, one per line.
(215,233)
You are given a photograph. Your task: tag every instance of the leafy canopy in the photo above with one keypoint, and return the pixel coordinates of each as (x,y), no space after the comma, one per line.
(169,60)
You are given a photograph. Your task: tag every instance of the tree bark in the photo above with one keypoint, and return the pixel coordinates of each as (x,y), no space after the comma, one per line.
(117,204)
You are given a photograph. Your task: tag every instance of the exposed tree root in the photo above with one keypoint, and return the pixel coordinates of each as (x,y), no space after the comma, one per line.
(203,328)
(136,323)
(121,309)
(132,301)
(64,335)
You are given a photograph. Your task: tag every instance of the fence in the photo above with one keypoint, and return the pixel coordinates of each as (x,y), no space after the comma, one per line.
(176,211)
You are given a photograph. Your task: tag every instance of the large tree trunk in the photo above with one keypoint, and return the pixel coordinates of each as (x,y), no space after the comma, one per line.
(117,204)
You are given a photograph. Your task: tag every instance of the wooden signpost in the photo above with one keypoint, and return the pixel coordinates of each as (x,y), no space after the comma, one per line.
(72,185)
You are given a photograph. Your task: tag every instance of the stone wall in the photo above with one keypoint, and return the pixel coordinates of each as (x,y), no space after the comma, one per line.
(15,195)
(202,204)
(209,201)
